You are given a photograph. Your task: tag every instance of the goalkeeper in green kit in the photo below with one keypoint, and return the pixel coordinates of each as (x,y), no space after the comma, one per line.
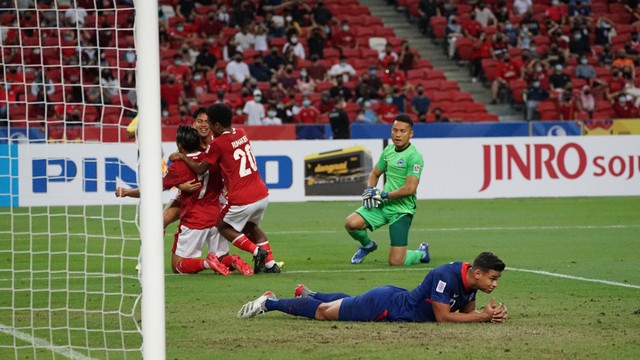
(395,204)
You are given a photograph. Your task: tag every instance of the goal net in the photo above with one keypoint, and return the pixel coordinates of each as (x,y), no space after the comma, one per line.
(69,249)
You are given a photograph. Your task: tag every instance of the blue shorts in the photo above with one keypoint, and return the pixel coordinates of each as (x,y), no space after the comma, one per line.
(374,305)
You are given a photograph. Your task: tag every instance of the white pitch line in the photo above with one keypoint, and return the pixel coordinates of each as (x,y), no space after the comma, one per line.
(496,228)
(43,344)
(571,277)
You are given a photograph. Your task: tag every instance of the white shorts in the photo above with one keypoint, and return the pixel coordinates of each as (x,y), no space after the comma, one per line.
(188,242)
(237,216)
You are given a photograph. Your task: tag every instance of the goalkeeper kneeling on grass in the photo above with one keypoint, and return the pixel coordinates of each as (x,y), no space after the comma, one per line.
(395,204)
(447,294)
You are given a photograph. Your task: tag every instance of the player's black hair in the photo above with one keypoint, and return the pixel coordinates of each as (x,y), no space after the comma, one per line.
(488,261)
(405,119)
(188,137)
(221,114)
(200,110)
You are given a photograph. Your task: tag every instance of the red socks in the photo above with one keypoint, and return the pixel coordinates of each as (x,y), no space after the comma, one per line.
(242,242)
(190,266)
(265,245)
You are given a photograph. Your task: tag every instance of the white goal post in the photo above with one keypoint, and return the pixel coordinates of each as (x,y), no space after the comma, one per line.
(73,74)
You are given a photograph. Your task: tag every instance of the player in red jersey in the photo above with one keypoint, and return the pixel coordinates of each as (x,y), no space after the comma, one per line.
(248,197)
(196,226)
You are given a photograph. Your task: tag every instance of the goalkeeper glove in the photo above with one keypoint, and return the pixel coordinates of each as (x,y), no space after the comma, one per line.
(371,197)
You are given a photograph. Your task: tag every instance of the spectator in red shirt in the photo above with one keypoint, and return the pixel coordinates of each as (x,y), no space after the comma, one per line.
(179,69)
(219,82)
(69,44)
(345,38)
(211,27)
(308,114)
(472,28)
(623,108)
(392,78)
(387,111)
(567,107)
(617,85)
(481,50)
(506,71)
(172,92)
(557,12)
(7,97)
(326,103)
(387,57)
(179,35)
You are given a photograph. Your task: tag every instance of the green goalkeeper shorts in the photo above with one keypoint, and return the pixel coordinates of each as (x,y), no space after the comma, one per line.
(399,223)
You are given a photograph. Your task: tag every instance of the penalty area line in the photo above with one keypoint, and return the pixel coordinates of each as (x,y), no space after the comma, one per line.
(43,344)
(571,277)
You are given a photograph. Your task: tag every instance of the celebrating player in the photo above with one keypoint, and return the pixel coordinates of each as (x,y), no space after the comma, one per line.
(447,294)
(198,214)
(248,197)
(395,204)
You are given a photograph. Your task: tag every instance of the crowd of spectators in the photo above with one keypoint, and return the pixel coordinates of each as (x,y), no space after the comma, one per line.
(567,60)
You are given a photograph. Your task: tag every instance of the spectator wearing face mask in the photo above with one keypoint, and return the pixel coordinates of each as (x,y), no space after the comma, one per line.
(219,82)
(205,60)
(369,85)
(342,70)
(340,124)
(245,39)
(532,96)
(272,117)
(452,32)
(506,71)
(316,42)
(484,15)
(584,70)
(367,115)
(472,28)
(616,86)
(511,33)
(238,116)
(259,70)
(579,44)
(287,80)
(308,114)
(340,91)
(438,116)
(305,83)
(623,108)
(254,110)
(298,49)
(558,80)
(197,85)
(557,12)
(237,70)
(345,38)
(387,57)
(387,111)
(316,70)
(420,104)
(211,27)
(585,101)
(273,60)
(567,107)
(179,69)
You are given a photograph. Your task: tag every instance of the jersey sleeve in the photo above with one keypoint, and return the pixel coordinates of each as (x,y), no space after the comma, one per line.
(175,175)
(416,163)
(382,163)
(442,287)
(212,156)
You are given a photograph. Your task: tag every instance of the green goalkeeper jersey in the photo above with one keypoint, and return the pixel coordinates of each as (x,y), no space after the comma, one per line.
(397,166)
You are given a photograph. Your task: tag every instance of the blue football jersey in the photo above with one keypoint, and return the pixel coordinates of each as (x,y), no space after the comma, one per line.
(444,284)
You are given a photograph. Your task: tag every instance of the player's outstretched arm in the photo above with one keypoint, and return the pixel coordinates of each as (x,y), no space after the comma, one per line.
(123,192)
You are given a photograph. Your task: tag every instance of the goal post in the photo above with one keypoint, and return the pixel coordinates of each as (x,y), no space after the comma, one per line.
(149,139)
(73,74)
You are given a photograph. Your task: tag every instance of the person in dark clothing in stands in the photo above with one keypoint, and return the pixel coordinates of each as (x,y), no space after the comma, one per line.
(340,121)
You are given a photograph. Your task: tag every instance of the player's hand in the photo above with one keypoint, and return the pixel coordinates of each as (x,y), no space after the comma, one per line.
(373,193)
(189,186)
(121,192)
(368,201)
(500,314)
(176,156)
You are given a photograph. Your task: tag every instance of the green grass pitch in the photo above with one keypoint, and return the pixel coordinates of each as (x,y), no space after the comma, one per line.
(572,285)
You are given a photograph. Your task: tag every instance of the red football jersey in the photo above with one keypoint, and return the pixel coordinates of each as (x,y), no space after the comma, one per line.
(200,209)
(231,153)
(308,115)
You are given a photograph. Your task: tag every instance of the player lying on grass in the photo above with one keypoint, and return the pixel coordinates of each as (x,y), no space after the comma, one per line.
(198,214)
(395,204)
(447,294)
(230,153)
